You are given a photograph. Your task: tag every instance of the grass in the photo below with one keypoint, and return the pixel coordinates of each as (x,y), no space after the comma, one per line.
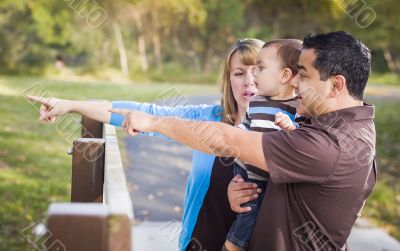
(35,170)
(385,79)
(34,167)
(383,207)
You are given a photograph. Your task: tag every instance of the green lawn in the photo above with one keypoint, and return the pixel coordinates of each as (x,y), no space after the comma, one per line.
(385,79)
(384,205)
(35,170)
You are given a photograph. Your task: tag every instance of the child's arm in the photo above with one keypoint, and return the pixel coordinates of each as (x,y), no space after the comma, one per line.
(283,121)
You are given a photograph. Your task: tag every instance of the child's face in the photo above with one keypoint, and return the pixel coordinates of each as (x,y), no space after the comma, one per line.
(267,75)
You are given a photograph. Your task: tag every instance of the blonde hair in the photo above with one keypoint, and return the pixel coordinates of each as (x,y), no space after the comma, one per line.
(247,50)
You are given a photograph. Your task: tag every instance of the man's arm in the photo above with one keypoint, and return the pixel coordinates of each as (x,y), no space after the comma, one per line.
(214,138)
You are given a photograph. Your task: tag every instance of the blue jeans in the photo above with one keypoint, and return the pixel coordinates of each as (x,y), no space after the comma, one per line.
(242,228)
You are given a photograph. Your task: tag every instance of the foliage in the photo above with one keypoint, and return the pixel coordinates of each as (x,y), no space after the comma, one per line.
(192,34)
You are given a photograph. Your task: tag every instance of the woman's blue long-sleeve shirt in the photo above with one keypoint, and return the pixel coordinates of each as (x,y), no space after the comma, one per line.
(202,163)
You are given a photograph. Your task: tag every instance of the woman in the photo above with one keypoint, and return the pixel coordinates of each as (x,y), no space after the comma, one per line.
(207,215)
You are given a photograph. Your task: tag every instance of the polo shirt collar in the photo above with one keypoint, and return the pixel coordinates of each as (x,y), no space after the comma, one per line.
(364,112)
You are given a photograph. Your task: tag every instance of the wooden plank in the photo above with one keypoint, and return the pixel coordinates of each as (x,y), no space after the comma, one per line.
(115,186)
(116,195)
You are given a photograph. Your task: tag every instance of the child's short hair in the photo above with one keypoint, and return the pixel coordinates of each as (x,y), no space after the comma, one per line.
(288,52)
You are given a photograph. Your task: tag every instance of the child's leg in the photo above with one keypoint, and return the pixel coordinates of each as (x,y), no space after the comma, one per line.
(240,232)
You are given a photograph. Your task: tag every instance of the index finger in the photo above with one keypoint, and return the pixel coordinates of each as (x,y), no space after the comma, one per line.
(123,112)
(41,100)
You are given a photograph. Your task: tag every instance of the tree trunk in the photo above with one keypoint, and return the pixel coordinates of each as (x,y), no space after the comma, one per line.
(105,52)
(123,58)
(156,41)
(390,61)
(187,56)
(141,42)
(207,64)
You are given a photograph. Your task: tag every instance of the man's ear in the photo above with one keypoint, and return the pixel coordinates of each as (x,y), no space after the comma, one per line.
(286,75)
(338,85)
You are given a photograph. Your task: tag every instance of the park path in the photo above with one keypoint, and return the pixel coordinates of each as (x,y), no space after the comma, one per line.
(157,173)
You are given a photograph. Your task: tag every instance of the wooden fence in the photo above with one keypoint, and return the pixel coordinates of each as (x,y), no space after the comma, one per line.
(100,214)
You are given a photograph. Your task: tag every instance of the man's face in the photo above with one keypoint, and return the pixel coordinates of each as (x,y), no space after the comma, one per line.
(313,93)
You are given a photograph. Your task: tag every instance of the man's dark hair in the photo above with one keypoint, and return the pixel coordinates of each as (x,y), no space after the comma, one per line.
(339,53)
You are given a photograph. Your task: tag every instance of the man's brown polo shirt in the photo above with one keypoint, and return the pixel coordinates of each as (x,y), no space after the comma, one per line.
(321,174)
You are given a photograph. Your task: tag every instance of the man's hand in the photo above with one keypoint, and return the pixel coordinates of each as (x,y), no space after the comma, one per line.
(283,121)
(135,121)
(240,192)
(51,107)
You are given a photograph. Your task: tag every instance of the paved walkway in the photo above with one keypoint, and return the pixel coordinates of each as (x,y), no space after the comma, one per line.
(148,236)
(157,174)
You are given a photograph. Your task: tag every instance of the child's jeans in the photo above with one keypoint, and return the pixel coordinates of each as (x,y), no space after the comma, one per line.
(242,228)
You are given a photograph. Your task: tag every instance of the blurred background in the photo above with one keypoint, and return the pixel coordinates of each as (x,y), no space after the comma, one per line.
(177,40)
(140,50)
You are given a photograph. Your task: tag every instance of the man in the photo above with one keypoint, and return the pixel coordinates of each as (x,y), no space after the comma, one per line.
(322,172)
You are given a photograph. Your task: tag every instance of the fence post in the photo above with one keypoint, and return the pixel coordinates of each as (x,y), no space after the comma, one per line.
(119,233)
(77,227)
(87,170)
(88,163)
(86,227)
(91,128)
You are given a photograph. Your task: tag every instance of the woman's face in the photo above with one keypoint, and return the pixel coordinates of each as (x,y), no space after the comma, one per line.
(242,81)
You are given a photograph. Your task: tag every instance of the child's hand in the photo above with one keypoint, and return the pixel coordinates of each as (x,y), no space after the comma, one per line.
(283,121)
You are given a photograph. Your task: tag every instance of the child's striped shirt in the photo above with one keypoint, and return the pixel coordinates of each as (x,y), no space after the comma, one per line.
(260,117)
